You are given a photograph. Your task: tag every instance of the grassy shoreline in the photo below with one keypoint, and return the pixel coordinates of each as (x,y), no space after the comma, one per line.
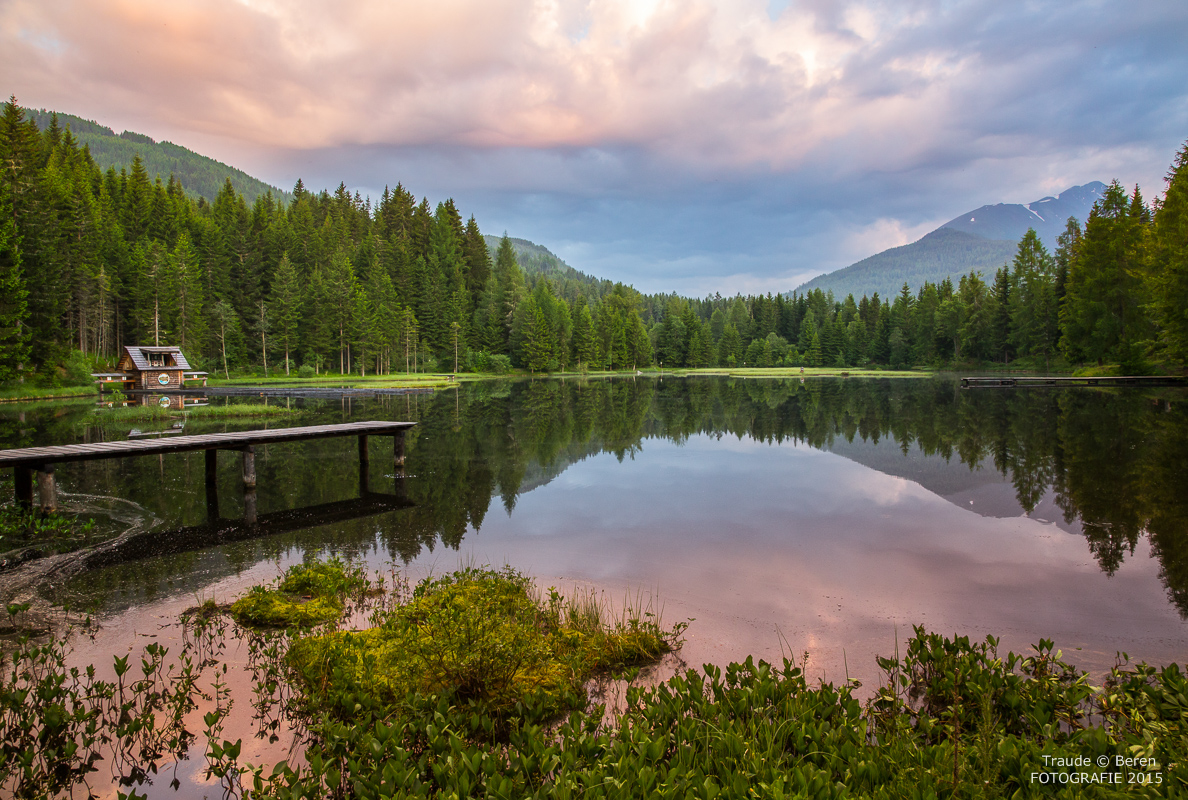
(27,393)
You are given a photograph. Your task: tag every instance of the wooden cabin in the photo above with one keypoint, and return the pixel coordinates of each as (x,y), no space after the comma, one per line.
(144,368)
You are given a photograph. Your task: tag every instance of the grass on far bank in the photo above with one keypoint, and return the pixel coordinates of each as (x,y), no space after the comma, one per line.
(13,394)
(798,372)
(328,379)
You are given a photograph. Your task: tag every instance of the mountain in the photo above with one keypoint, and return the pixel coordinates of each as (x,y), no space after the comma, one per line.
(944,252)
(200,176)
(1048,216)
(536,260)
(983,240)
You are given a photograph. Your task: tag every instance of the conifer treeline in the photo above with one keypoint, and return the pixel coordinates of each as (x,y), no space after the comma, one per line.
(1115,291)
(92,260)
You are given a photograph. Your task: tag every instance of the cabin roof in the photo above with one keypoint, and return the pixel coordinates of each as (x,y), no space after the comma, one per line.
(140,356)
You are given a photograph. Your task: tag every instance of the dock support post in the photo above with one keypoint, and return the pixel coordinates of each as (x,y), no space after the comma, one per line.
(24,488)
(398,462)
(249,467)
(398,450)
(249,506)
(47,489)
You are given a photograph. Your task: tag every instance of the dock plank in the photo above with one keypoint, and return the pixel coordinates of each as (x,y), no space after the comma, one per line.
(38,456)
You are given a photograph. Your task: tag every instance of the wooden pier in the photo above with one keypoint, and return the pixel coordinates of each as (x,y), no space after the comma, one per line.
(1064,381)
(41,460)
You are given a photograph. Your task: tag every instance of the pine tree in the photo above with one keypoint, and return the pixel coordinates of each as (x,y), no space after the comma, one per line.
(1000,317)
(538,343)
(510,282)
(730,348)
(976,314)
(387,317)
(340,297)
(227,333)
(1034,321)
(584,344)
(813,353)
(1102,315)
(14,313)
(185,285)
(286,304)
(1169,262)
(478,261)
(701,347)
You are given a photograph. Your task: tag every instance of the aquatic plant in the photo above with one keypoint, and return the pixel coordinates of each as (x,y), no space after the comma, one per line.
(465,710)
(240,410)
(43,533)
(57,723)
(306,595)
(482,638)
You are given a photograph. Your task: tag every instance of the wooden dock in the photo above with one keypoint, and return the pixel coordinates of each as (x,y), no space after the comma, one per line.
(27,460)
(1064,381)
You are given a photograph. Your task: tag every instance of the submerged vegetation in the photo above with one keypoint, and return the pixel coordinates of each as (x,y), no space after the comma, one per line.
(473,687)
(28,533)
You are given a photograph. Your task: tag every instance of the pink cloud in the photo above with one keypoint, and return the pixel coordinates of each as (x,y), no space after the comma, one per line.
(697,82)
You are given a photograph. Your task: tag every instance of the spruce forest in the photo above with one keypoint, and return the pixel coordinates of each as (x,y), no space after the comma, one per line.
(91,260)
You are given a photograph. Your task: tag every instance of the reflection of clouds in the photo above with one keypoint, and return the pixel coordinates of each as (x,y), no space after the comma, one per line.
(747,537)
(855,123)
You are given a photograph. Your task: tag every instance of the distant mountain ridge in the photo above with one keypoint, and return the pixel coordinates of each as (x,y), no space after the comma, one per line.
(1048,216)
(981,240)
(537,259)
(200,175)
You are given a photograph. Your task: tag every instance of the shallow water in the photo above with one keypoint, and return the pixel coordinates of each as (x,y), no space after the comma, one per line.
(825,517)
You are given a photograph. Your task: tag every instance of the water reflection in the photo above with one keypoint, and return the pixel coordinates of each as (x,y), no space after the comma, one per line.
(1104,464)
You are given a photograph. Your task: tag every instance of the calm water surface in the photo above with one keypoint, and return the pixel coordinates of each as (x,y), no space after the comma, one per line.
(827,517)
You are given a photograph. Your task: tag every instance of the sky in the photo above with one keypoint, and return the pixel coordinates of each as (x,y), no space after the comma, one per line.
(698,147)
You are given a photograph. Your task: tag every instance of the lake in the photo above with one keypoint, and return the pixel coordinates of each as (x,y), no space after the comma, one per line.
(784,517)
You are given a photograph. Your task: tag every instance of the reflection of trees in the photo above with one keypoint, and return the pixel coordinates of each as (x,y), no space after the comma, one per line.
(1105,440)
(1113,458)
(1164,487)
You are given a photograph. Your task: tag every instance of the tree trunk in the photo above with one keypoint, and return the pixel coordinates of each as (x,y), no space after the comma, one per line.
(263,342)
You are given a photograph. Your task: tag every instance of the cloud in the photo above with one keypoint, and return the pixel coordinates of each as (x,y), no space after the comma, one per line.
(750,141)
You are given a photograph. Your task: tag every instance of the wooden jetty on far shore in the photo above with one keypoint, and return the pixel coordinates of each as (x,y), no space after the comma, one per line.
(27,460)
(1065,381)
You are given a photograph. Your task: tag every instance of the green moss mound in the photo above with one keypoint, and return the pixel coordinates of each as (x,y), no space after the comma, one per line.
(482,637)
(305,596)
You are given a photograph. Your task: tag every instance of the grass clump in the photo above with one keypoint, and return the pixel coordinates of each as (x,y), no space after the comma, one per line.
(305,596)
(133,413)
(482,638)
